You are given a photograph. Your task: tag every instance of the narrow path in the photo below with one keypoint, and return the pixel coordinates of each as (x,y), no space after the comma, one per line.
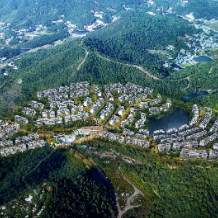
(3,83)
(135,66)
(79,66)
(211,69)
(83,61)
(188,77)
(37,165)
(128,205)
(152,189)
(144,71)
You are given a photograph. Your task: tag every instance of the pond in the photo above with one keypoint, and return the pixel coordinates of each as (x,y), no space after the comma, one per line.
(176,119)
(21,51)
(203,59)
(188,98)
(80,32)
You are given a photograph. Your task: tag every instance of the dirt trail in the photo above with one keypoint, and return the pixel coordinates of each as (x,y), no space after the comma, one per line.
(83,61)
(211,69)
(37,165)
(135,66)
(128,205)
(79,66)
(3,83)
(188,77)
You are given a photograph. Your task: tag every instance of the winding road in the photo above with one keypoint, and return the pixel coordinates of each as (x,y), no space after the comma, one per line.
(188,77)
(135,66)
(128,205)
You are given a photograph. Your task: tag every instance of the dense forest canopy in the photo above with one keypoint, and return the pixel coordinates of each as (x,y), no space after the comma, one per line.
(206,9)
(135,33)
(31,12)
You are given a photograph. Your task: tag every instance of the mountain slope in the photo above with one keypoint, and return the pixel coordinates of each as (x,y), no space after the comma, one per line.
(133,37)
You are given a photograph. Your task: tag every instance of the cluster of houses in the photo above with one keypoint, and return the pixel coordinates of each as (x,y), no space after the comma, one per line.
(81,85)
(9,130)
(97,91)
(27,139)
(87,101)
(76,117)
(76,108)
(185,138)
(21,144)
(177,146)
(129,119)
(187,153)
(3,124)
(52,121)
(106,110)
(37,105)
(22,147)
(47,93)
(20,119)
(203,124)
(206,141)
(196,136)
(6,143)
(96,106)
(195,117)
(196,42)
(178,135)
(156,110)
(214,128)
(114,120)
(142,133)
(61,104)
(81,89)
(78,89)
(203,39)
(29,111)
(79,93)
(133,98)
(59,99)
(140,122)
(213,154)
(129,140)
(48,113)
(184,58)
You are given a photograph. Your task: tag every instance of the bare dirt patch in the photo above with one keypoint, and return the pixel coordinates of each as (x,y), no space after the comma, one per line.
(157,52)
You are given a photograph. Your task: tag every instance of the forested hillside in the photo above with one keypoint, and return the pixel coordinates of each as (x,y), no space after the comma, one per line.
(66,182)
(50,68)
(135,33)
(206,9)
(28,13)
(42,70)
